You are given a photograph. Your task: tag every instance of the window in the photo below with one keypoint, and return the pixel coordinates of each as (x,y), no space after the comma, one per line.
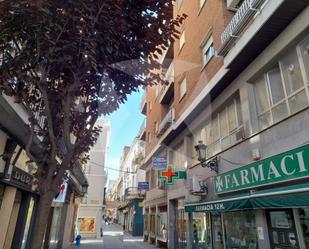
(202,2)
(240,230)
(223,128)
(221,131)
(282,91)
(182,88)
(202,230)
(180,2)
(208,50)
(182,40)
(156,126)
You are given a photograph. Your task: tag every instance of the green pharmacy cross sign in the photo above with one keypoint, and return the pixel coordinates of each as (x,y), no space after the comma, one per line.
(170,175)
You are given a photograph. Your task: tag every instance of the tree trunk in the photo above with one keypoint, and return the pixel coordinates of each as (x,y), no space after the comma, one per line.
(41,219)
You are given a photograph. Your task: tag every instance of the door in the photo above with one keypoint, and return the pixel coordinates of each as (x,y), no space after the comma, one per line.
(282,231)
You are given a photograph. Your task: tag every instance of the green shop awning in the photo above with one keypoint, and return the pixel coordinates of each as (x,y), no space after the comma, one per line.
(288,197)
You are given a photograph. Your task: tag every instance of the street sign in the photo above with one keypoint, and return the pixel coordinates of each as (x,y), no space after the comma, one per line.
(143,185)
(159,162)
(170,175)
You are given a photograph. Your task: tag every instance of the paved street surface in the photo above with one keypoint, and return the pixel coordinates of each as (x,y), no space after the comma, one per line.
(114,238)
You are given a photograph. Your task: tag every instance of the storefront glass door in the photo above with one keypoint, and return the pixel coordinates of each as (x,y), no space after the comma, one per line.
(217,231)
(181,225)
(282,231)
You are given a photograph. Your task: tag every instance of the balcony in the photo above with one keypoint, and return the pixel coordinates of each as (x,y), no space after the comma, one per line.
(133,193)
(142,131)
(241,19)
(167,92)
(144,103)
(166,122)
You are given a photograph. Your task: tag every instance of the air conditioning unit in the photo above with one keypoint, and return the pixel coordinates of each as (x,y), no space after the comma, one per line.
(233,4)
(198,185)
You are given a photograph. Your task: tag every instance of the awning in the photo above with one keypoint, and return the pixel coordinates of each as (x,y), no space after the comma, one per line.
(285,197)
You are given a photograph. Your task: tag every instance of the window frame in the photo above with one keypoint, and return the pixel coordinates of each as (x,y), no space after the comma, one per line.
(182,40)
(208,45)
(182,95)
(287,97)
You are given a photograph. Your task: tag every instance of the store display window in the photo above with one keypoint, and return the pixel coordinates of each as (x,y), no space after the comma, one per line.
(181,225)
(240,230)
(217,231)
(202,237)
(153,223)
(162,225)
(304,222)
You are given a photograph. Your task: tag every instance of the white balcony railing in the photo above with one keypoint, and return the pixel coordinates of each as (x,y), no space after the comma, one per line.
(242,17)
(166,122)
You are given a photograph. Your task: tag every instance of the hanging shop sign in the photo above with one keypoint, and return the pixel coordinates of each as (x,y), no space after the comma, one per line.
(287,166)
(159,162)
(60,197)
(170,175)
(143,185)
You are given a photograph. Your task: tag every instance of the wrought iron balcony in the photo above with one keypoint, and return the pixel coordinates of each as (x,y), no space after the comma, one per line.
(241,19)
(166,122)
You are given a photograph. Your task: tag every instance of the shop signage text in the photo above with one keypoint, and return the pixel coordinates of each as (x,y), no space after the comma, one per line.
(284,167)
(143,185)
(21,176)
(159,162)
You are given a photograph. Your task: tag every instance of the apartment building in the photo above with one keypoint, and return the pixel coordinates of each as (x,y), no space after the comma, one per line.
(90,214)
(18,189)
(233,120)
(131,211)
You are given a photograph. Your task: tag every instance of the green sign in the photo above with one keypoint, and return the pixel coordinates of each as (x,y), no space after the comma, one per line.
(170,175)
(284,167)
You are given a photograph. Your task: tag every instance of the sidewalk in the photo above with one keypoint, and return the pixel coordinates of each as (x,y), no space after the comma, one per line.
(114,238)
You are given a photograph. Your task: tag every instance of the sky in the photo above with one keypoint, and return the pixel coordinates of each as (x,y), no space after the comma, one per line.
(125,125)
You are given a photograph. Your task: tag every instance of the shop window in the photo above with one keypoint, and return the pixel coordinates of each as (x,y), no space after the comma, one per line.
(152,224)
(28,222)
(217,231)
(304,222)
(282,91)
(202,237)
(181,225)
(240,230)
(162,225)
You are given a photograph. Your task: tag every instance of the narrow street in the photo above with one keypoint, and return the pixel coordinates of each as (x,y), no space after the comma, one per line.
(114,238)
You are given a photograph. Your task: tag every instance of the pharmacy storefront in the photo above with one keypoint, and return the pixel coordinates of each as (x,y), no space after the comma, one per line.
(261,205)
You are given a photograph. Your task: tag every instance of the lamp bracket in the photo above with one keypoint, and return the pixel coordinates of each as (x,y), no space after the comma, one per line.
(212,164)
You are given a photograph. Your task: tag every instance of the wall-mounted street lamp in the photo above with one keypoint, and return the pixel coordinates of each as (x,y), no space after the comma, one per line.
(201,152)
(85,186)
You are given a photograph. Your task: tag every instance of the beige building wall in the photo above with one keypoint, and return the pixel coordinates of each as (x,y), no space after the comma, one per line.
(92,205)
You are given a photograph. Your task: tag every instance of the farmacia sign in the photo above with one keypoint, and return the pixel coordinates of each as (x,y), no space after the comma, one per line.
(284,167)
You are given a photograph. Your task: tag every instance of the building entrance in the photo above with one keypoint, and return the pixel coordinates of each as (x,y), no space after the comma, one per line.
(282,231)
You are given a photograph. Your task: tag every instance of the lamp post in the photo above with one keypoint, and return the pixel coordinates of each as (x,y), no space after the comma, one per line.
(201,152)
